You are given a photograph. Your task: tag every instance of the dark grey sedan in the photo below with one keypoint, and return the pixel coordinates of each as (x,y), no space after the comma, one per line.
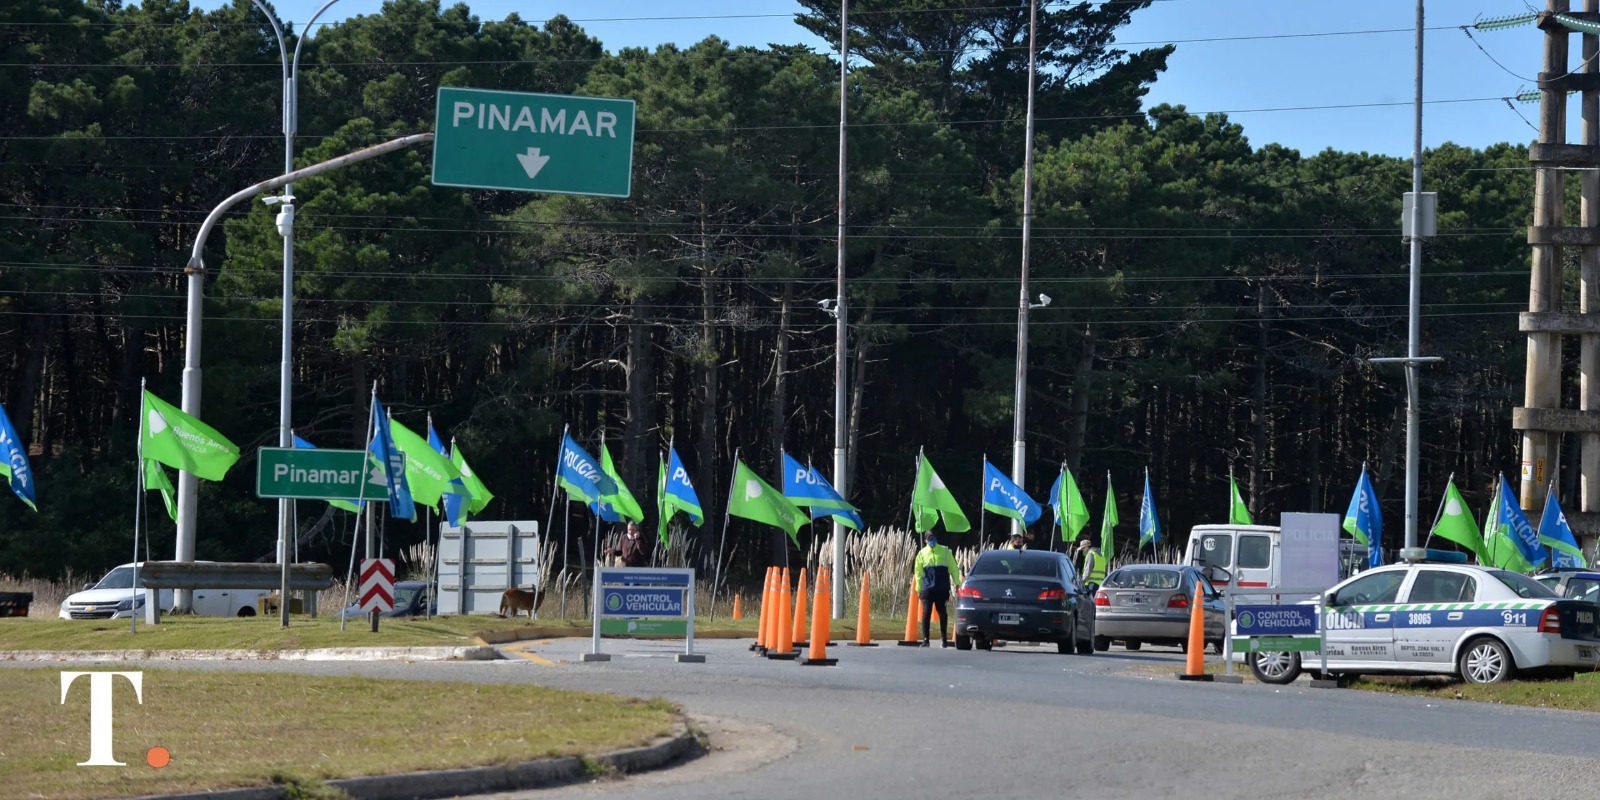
(1142,603)
(1024,596)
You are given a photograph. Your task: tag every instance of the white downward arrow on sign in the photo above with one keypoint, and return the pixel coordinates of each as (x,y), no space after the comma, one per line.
(532,162)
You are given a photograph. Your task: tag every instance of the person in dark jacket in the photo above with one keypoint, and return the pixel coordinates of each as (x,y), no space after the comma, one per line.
(631,551)
(935,573)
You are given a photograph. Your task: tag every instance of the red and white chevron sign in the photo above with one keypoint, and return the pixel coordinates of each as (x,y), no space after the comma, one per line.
(377,584)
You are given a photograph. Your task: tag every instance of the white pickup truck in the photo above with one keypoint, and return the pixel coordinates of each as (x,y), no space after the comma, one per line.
(115,597)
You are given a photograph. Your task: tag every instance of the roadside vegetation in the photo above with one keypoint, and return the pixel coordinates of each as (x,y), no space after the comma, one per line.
(232,729)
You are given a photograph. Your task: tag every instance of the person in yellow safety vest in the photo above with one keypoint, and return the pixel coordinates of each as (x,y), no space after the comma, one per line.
(1017,542)
(1094,565)
(934,573)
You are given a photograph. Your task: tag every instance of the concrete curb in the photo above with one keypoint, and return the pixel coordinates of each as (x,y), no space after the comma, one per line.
(466,653)
(482,780)
(508,635)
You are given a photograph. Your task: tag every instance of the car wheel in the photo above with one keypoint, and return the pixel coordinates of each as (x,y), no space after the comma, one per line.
(1485,660)
(1102,643)
(1085,646)
(1277,668)
(1133,644)
(963,642)
(983,644)
(247,612)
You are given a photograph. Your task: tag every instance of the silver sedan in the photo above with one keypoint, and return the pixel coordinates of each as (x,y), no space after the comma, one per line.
(1142,603)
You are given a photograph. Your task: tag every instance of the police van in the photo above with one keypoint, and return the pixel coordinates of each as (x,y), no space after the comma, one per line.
(1479,623)
(1251,556)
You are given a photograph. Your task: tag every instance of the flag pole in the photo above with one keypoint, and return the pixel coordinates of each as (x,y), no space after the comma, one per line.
(727,514)
(983,494)
(138,505)
(1438,515)
(365,506)
(550,519)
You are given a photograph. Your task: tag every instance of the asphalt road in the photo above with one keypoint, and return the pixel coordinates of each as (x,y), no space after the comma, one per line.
(1027,722)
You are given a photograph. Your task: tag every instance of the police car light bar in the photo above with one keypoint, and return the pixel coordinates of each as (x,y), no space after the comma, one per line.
(1435,556)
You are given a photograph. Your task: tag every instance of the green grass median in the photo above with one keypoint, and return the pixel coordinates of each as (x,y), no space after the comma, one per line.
(248,729)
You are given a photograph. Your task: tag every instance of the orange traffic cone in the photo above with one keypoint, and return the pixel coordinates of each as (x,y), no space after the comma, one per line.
(736,616)
(765,620)
(913,612)
(781,620)
(863,617)
(1195,669)
(800,611)
(821,623)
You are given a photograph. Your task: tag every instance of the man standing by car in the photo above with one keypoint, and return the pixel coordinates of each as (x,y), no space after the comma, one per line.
(1094,565)
(934,572)
(631,552)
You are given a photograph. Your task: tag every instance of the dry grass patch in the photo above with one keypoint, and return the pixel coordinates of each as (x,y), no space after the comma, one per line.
(211,633)
(246,729)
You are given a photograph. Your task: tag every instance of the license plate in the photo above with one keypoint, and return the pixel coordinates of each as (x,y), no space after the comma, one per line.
(1138,600)
(1008,619)
(1586,653)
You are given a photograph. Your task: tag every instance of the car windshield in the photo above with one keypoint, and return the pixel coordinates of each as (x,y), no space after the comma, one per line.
(1013,562)
(1523,585)
(403,595)
(119,578)
(1143,579)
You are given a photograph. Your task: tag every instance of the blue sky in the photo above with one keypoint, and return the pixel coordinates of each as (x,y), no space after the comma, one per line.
(1255,59)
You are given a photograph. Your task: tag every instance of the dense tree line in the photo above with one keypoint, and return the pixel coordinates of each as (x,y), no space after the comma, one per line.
(1216,301)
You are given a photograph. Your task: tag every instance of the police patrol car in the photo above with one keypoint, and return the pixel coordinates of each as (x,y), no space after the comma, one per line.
(1478,623)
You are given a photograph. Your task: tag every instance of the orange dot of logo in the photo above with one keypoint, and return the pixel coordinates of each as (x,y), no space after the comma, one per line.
(158,757)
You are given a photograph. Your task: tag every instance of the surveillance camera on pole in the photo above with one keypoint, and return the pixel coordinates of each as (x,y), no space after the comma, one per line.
(829,306)
(1044,300)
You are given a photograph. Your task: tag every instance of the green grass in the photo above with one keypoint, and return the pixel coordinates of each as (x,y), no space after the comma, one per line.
(264,634)
(210,633)
(1581,693)
(248,729)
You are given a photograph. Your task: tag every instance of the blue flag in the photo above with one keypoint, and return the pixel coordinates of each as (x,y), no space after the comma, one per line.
(1522,534)
(1364,520)
(16,466)
(456,502)
(341,504)
(581,476)
(679,492)
(1555,534)
(1149,525)
(1007,499)
(804,485)
(394,461)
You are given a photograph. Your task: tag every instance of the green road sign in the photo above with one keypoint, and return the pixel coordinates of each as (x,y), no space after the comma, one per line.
(525,142)
(614,626)
(1277,644)
(319,474)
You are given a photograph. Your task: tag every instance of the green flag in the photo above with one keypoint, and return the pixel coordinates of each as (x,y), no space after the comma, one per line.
(155,478)
(1238,512)
(1456,523)
(661,500)
(1108,520)
(755,499)
(428,472)
(931,500)
(622,500)
(1077,511)
(180,441)
(480,493)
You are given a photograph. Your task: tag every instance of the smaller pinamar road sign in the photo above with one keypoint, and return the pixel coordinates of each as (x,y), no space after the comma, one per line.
(318,474)
(526,142)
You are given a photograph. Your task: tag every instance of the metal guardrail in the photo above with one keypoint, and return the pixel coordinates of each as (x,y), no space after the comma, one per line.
(230,575)
(1316,595)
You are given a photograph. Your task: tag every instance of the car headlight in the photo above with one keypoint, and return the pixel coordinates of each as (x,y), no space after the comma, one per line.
(129,604)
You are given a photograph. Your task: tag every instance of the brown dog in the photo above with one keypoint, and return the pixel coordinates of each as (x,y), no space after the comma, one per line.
(521,600)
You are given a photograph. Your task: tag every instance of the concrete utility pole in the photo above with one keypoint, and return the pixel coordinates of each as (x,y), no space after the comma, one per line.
(841,427)
(1019,430)
(1540,419)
